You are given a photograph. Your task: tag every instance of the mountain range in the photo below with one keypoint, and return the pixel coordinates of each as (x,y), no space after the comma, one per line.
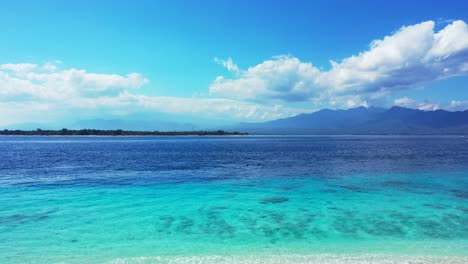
(362,120)
(354,121)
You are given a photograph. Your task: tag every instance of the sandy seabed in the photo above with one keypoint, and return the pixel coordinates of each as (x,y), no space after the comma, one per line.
(297,259)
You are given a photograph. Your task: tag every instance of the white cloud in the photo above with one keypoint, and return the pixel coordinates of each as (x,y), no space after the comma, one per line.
(228,64)
(458,105)
(28,93)
(18,67)
(126,103)
(282,77)
(81,81)
(48,82)
(412,55)
(449,41)
(404,102)
(427,105)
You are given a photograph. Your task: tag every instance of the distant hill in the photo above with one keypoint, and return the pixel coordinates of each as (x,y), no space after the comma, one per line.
(362,120)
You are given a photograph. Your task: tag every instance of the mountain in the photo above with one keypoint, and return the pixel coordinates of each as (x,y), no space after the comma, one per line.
(362,120)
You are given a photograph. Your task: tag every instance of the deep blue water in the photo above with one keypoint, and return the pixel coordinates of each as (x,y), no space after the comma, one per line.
(30,161)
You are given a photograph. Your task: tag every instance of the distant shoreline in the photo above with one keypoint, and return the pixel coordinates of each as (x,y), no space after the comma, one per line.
(117,132)
(250,135)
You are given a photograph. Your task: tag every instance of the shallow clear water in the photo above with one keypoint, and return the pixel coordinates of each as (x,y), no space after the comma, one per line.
(234,199)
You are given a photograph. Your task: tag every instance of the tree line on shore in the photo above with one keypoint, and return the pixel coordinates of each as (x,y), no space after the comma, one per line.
(117,132)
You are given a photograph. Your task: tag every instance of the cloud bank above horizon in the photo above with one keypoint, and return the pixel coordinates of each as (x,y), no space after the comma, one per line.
(413,55)
(275,88)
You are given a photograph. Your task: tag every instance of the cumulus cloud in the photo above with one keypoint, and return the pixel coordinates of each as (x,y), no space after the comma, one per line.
(49,82)
(412,55)
(282,77)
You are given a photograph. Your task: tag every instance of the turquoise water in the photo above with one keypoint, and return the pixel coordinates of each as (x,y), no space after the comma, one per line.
(62,212)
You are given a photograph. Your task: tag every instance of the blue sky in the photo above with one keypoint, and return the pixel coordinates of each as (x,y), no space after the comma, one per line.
(216,62)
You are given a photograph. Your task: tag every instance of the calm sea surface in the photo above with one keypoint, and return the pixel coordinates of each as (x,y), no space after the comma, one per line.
(344,199)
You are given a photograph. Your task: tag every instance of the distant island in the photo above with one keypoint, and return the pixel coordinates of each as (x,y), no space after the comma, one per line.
(117,132)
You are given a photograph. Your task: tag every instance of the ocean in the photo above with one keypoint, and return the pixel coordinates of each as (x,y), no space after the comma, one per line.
(235,199)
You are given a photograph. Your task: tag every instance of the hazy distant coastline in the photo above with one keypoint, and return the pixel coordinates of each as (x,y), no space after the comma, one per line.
(117,132)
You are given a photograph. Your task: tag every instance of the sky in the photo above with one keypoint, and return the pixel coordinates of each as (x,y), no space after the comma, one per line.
(63,63)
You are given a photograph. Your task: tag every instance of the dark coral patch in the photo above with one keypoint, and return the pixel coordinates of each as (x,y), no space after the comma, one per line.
(460,194)
(274,200)
(395,183)
(354,188)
